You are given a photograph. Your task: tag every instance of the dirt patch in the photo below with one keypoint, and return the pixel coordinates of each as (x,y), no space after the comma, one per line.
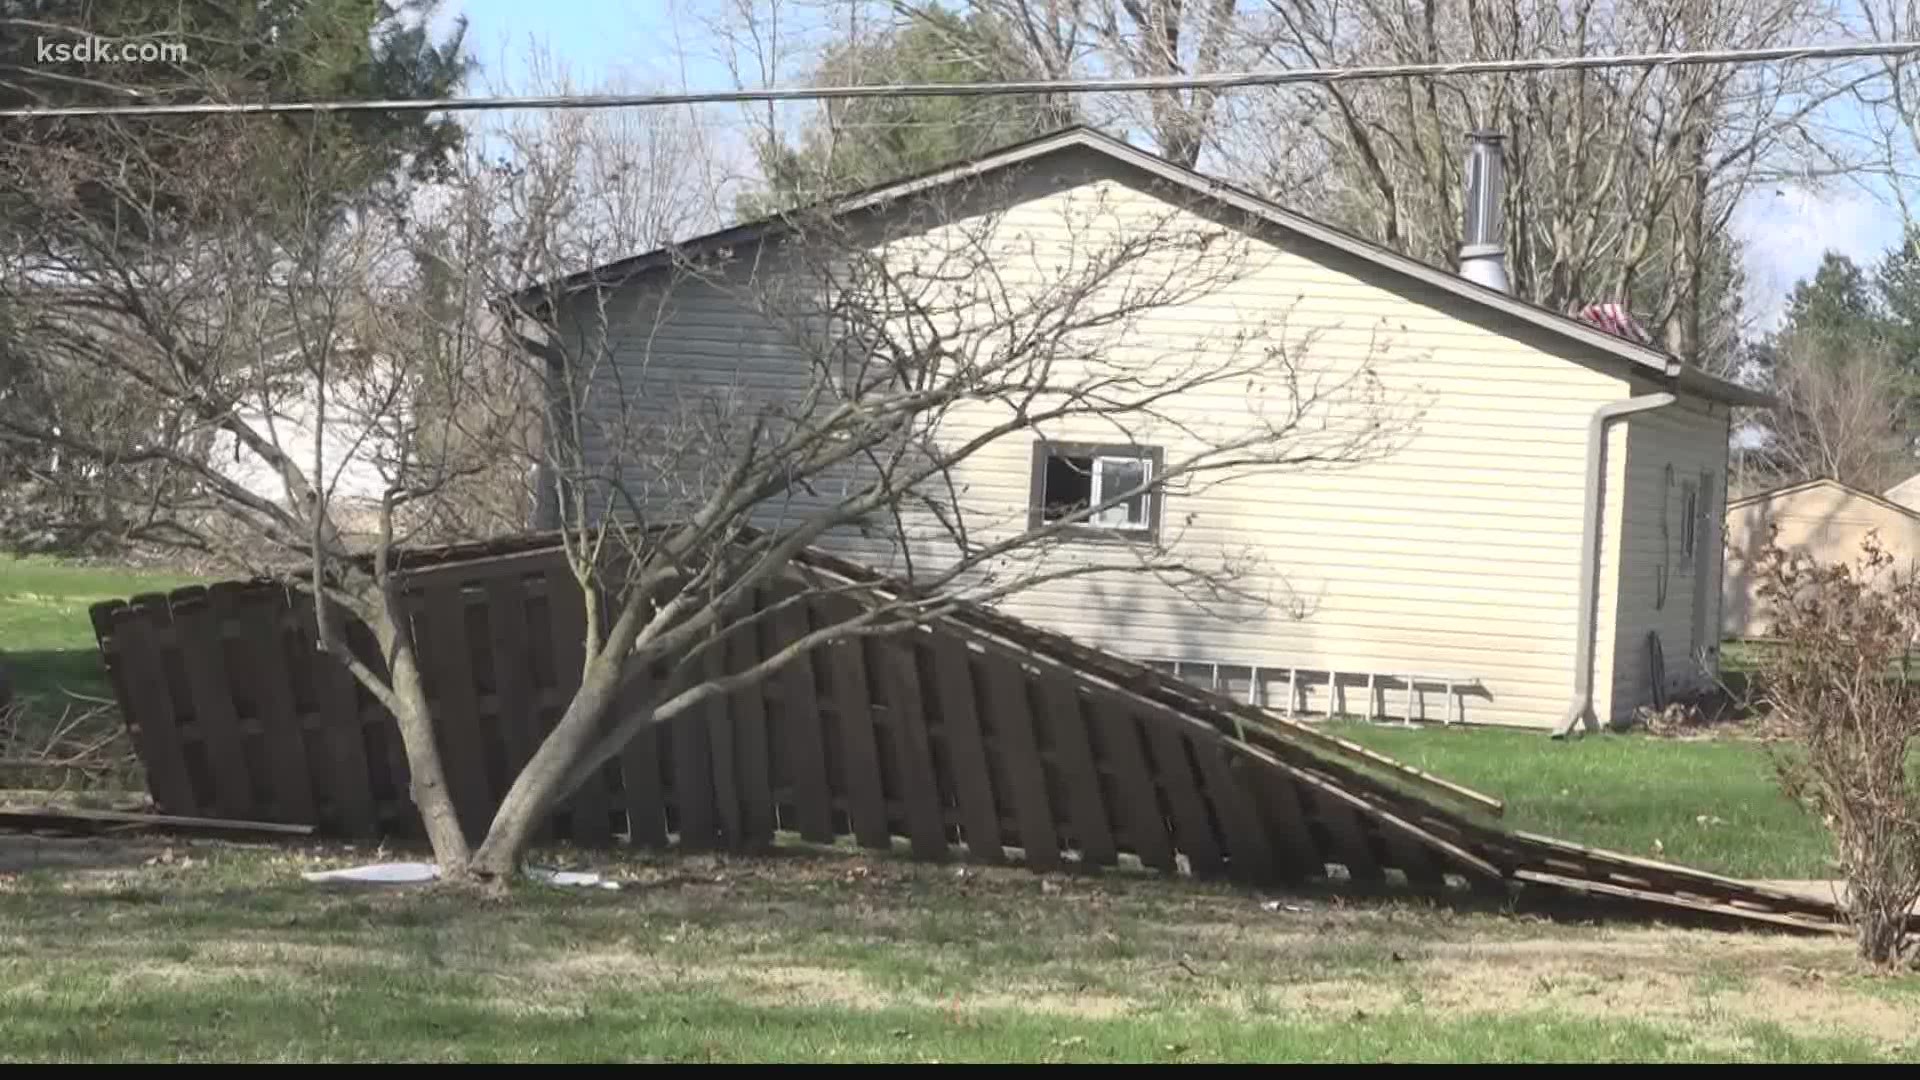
(1711,983)
(1800,1004)
(1733,710)
(787,983)
(1832,891)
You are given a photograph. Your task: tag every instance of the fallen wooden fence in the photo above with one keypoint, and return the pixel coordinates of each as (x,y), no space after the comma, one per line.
(979,736)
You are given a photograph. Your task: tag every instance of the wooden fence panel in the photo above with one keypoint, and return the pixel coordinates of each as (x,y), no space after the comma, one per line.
(1296,854)
(201,639)
(642,795)
(1192,830)
(900,694)
(345,795)
(148,708)
(930,736)
(750,743)
(1146,831)
(514,700)
(1249,849)
(722,752)
(1020,754)
(1074,757)
(799,717)
(262,617)
(966,749)
(859,754)
(352,791)
(977,724)
(1347,836)
(691,790)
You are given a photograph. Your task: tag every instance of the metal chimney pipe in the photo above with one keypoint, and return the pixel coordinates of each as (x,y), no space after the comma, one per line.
(1482,241)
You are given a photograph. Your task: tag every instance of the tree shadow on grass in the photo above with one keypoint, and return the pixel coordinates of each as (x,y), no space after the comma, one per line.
(50,675)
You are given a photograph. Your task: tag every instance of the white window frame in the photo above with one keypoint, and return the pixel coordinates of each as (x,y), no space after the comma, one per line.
(1106,518)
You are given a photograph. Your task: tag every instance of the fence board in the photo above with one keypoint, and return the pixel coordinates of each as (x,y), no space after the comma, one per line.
(1074,757)
(1296,855)
(899,685)
(348,792)
(860,756)
(750,742)
(1350,847)
(346,740)
(512,675)
(1146,829)
(102,616)
(800,718)
(150,707)
(721,750)
(261,613)
(444,655)
(203,654)
(1413,860)
(640,773)
(1249,851)
(1192,829)
(1020,752)
(966,750)
(692,793)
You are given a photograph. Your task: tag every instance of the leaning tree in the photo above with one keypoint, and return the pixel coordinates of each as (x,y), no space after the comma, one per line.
(854,378)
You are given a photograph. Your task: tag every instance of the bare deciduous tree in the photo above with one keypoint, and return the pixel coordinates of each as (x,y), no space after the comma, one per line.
(866,380)
(1622,183)
(278,392)
(870,381)
(1841,413)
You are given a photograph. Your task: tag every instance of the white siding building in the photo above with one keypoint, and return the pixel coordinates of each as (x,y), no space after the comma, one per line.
(1443,580)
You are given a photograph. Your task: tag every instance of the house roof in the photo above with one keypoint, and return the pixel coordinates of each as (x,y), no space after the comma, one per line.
(1827,482)
(1645,359)
(1905,490)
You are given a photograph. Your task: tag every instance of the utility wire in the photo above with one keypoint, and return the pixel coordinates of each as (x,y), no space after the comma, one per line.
(987,89)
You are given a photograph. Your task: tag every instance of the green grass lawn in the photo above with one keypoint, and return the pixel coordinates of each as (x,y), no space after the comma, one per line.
(47,645)
(1711,803)
(223,953)
(45,634)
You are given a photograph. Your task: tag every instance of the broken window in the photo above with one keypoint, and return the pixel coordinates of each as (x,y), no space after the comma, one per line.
(1069,478)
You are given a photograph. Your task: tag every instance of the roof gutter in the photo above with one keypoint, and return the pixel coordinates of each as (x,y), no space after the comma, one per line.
(1580,709)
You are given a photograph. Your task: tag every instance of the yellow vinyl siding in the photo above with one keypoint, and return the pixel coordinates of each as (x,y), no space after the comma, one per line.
(1454,556)
(1653,586)
(1457,555)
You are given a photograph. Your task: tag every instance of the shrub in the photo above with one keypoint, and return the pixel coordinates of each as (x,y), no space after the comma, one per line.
(1839,686)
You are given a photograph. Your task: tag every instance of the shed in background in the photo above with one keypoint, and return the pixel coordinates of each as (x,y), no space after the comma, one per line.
(1823,518)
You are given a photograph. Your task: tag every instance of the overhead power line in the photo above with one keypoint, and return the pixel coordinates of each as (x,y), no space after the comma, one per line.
(1221,80)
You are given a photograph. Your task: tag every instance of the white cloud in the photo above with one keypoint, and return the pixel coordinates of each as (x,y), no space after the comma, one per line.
(1788,229)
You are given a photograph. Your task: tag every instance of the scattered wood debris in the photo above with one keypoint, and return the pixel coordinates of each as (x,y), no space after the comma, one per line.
(81,821)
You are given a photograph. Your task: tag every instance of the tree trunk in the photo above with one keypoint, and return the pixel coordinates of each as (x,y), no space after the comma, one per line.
(428,785)
(540,784)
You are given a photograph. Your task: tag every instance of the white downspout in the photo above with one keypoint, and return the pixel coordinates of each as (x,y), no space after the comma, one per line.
(1580,709)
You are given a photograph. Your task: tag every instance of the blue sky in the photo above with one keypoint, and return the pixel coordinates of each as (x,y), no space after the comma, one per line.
(639,42)
(662,44)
